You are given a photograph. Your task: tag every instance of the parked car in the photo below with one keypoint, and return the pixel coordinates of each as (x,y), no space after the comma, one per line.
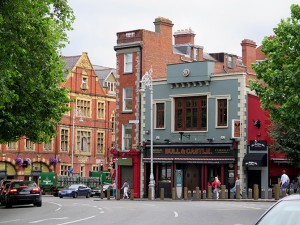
(285,211)
(75,190)
(22,193)
(97,191)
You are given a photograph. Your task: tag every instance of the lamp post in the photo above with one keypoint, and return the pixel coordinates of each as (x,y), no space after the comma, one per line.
(76,111)
(147,82)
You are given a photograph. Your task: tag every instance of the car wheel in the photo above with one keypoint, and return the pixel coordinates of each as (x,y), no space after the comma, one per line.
(88,195)
(8,205)
(61,196)
(75,195)
(38,204)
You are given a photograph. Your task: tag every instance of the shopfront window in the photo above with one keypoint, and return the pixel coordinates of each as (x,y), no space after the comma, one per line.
(165,172)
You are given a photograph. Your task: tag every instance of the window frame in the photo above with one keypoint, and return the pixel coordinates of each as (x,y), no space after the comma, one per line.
(158,115)
(128,62)
(127,127)
(127,99)
(64,142)
(201,113)
(221,121)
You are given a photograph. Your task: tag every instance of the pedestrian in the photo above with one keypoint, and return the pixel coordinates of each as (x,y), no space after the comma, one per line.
(114,188)
(284,182)
(125,187)
(294,185)
(237,183)
(216,184)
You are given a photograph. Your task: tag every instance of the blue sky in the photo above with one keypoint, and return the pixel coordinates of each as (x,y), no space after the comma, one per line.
(219,25)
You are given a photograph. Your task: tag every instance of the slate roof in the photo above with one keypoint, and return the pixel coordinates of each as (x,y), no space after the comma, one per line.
(70,63)
(102,72)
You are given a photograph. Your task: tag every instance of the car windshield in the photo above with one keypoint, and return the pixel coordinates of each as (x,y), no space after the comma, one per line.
(285,212)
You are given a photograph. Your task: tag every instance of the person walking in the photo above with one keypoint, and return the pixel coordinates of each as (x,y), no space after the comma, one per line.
(114,189)
(216,184)
(284,182)
(125,187)
(237,183)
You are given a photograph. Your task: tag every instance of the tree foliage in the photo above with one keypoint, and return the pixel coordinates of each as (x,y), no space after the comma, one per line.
(279,91)
(32,33)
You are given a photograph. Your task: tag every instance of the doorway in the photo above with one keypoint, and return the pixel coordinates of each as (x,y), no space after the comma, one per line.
(191,177)
(254,177)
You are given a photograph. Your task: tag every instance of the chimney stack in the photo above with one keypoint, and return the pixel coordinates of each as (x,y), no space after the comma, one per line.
(249,54)
(184,37)
(163,25)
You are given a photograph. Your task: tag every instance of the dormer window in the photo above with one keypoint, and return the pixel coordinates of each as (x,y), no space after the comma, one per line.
(195,54)
(84,84)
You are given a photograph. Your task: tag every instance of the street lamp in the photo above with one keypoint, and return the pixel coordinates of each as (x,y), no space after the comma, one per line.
(76,111)
(147,82)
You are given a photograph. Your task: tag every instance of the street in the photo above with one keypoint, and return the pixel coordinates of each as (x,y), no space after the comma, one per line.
(110,212)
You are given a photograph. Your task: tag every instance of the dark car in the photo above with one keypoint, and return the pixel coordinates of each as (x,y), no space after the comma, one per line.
(75,190)
(285,211)
(3,184)
(97,191)
(22,193)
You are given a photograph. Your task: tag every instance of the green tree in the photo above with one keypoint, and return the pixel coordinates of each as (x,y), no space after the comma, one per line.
(32,102)
(279,91)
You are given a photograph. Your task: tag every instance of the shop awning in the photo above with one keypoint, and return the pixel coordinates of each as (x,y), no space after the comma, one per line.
(255,159)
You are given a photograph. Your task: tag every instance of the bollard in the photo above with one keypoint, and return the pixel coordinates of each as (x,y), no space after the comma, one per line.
(291,191)
(189,195)
(250,194)
(222,194)
(131,194)
(108,194)
(231,194)
(197,195)
(162,193)
(173,194)
(255,191)
(238,192)
(185,193)
(118,194)
(263,193)
(149,193)
(276,191)
(102,193)
(209,192)
(226,194)
(204,194)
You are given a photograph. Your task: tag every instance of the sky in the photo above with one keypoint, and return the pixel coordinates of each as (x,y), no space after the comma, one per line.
(219,25)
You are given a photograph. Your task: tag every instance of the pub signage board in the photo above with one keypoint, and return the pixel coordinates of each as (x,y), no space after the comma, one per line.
(191,152)
(258,146)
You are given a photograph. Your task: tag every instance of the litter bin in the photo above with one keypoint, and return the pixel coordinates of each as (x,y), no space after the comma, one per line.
(250,194)
(270,193)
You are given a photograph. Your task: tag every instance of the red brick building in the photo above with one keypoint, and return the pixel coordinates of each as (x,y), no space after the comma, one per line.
(84,135)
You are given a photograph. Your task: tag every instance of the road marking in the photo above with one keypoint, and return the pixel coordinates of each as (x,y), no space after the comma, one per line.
(175,214)
(38,221)
(75,221)
(59,205)
(10,221)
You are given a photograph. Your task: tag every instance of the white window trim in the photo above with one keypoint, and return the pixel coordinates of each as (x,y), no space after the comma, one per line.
(128,56)
(124,102)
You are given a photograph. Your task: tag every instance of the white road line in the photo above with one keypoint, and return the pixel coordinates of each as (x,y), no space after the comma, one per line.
(75,221)
(175,214)
(39,221)
(10,221)
(59,205)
